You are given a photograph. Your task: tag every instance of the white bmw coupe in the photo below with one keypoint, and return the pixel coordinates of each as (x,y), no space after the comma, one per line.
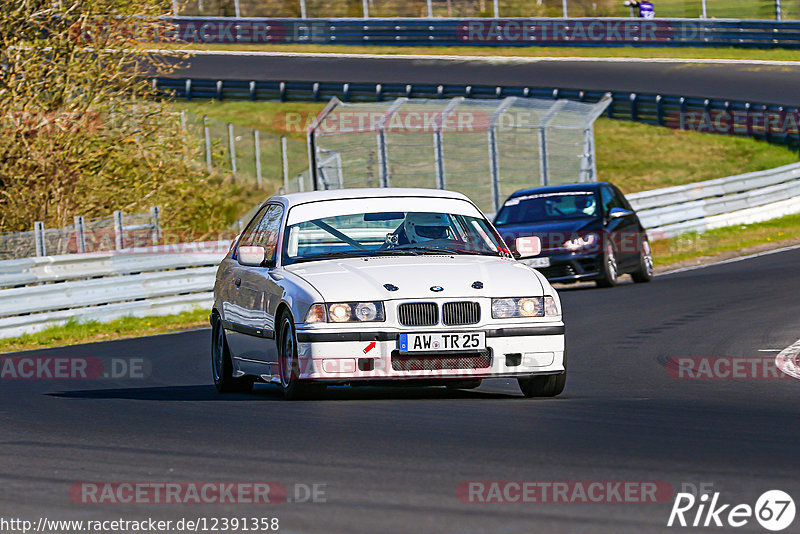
(376,286)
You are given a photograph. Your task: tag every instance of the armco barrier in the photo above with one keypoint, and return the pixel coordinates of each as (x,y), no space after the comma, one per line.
(37,292)
(489,32)
(742,199)
(770,122)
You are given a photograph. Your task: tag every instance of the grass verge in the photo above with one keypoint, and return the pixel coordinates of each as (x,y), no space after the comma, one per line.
(727,242)
(506,51)
(75,332)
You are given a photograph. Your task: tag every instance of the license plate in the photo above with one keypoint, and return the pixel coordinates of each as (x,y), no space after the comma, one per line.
(537,262)
(442,342)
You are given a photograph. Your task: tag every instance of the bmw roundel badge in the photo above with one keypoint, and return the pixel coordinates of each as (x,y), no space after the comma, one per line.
(437,288)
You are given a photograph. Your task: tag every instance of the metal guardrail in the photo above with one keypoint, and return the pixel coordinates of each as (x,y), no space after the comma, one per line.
(741,199)
(489,31)
(770,122)
(38,292)
(747,9)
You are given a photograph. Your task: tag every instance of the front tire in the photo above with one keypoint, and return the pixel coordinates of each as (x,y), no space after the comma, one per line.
(609,271)
(293,387)
(221,364)
(644,273)
(544,386)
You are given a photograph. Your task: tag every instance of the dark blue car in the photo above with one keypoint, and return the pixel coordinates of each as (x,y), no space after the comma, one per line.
(588,232)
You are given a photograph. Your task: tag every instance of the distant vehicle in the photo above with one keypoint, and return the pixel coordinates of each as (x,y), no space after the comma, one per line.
(368,286)
(588,232)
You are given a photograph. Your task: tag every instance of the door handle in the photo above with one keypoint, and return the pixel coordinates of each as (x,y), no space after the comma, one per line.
(238,282)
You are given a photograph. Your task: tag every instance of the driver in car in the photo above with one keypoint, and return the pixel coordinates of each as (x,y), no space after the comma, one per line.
(420,227)
(585,204)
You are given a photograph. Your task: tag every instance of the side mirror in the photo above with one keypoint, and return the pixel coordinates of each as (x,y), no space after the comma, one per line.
(528,246)
(252,256)
(616,213)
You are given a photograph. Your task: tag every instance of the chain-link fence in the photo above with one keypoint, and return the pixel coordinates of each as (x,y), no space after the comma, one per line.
(736,9)
(121,231)
(486,149)
(248,156)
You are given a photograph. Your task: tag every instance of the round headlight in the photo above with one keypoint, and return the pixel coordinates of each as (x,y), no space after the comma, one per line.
(529,307)
(339,313)
(366,311)
(503,308)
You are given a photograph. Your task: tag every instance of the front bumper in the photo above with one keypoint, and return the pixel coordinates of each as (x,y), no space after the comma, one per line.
(573,267)
(346,356)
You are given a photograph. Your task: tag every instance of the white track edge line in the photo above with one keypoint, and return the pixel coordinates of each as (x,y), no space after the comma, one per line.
(483,59)
(787,360)
(730,260)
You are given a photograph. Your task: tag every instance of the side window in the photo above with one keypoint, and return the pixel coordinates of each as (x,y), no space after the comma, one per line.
(622,200)
(247,235)
(265,232)
(609,200)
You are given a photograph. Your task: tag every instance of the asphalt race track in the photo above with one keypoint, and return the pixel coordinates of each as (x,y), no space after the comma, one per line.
(391,459)
(772,84)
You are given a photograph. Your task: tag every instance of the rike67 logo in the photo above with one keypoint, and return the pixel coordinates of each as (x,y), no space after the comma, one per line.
(774,510)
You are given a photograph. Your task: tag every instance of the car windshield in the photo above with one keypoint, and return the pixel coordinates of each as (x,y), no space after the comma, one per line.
(399,233)
(547,207)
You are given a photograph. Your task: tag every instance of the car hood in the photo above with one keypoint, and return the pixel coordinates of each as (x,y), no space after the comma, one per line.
(552,233)
(363,279)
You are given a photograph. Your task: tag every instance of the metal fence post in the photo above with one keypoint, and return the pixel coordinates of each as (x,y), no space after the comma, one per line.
(119,231)
(588,171)
(303,14)
(438,156)
(705,10)
(496,8)
(564,8)
(494,160)
(155,216)
(207,134)
(237,8)
(587,161)
(383,165)
(544,172)
(383,162)
(232,150)
(365,8)
(430,9)
(438,146)
(494,167)
(778,11)
(257,148)
(312,159)
(285,161)
(80,234)
(38,238)
(544,168)
(175,7)
(183,120)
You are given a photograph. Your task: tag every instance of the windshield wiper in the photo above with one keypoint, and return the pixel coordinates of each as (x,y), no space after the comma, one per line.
(445,250)
(356,254)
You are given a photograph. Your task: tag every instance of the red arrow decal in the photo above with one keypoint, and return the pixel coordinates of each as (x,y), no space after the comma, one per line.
(369,347)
